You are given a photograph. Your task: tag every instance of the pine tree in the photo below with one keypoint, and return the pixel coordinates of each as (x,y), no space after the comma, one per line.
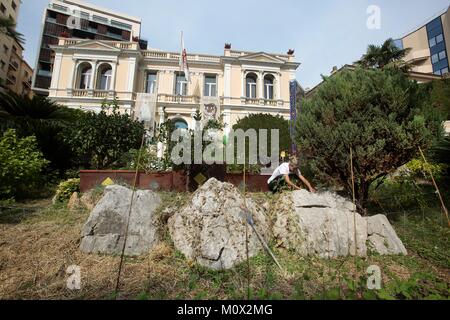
(380,115)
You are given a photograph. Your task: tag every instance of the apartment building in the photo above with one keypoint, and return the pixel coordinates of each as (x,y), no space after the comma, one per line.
(150,85)
(79,20)
(15,73)
(430,45)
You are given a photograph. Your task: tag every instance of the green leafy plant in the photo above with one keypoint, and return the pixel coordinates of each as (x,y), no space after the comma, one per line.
(100,139)
(67,188)
(268,122)
(44,119)
(21,162)
(421,169)
(149,161)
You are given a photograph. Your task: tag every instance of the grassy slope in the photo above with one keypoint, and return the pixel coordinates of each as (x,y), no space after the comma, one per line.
(37,247)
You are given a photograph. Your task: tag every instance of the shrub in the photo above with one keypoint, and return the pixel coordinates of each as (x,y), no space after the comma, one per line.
(67,188)
(21,162)
(149,160)
(420,169)
(382,116)
(100,139)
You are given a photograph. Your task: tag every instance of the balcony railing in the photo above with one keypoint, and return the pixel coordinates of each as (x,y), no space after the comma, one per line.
(262,102)
(87,93)
(254,101)
(176,56)
(14,64)
(80,93)
(172,98)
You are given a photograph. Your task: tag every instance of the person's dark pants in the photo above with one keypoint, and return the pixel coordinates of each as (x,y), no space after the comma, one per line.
(280,184)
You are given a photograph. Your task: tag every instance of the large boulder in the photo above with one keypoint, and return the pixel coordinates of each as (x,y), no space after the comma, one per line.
(211,228)
(382,237)
(320,224)
(326,225)
(104,232)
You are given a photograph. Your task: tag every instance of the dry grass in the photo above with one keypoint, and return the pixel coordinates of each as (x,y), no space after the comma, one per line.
(36,250)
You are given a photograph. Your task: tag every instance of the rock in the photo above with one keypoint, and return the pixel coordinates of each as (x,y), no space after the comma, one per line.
(321,224)
(104,232)
(74,202)
(55,199)
(88,200)
(211,228)
(382,237)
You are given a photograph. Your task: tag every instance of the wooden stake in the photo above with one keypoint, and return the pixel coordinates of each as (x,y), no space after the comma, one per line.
(444,208)
(354,201)
(128,220)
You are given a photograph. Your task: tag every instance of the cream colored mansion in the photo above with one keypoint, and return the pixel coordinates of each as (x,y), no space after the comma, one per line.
(148,84)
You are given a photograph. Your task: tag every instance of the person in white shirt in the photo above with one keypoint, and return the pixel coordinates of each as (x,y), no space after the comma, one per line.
(282,175)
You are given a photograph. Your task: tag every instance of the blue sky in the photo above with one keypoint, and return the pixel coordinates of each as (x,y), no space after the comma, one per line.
(323,33)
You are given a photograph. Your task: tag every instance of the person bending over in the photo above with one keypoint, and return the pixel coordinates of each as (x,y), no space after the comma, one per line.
(282,176)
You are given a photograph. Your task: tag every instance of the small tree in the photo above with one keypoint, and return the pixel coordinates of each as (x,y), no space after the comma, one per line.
(100,139)
(380,115)
(20,164)
(269,122)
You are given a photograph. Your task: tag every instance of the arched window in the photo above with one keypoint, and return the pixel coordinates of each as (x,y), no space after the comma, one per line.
(104,77)
(180,124)
(250,81)
(85,76)
(268,87)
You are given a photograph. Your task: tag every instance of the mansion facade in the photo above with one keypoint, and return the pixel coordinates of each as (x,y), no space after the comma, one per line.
(149,85)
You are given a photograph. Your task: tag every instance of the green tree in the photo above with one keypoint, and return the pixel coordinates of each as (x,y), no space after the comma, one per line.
(388,54)
(8,28)
(44,119)
(381,115)
(269,122)
(440,96)
(21,162)
(100,139)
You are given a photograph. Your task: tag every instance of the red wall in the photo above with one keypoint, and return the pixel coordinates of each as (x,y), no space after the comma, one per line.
(166,181)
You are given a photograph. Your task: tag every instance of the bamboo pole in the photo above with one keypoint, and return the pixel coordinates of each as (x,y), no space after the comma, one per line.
(354,201)
(444,208)
(128,218)
(246,230)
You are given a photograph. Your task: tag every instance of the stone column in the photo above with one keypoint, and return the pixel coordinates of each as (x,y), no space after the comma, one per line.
(243,83)
(260,94)
(112,87)
(72,80)
(227,81)
(56,71)
(278,86)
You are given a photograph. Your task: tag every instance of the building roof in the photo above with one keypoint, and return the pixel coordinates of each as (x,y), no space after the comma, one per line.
(88,6)
(440,13)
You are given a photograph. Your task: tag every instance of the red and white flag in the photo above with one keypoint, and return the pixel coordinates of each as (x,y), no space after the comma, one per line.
(184,67)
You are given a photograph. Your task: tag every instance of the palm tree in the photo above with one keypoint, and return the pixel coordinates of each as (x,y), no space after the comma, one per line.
(42,118)
(8,28)
(388,54)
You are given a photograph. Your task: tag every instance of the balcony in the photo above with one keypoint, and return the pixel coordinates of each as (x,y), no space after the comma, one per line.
(262,102)
(14,65)
(172,56)
(87,93)
(172,98)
